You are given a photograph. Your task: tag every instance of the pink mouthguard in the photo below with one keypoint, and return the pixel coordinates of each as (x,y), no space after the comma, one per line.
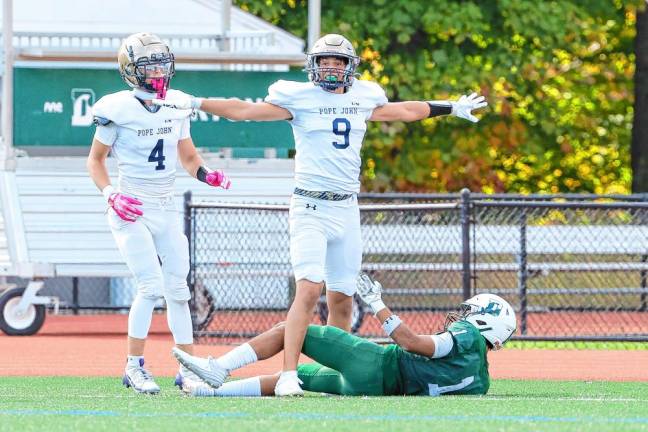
(159,86)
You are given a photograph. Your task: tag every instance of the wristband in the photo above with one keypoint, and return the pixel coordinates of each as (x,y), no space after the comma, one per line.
(107,191)
(439,108)
(201,174)
(391,324)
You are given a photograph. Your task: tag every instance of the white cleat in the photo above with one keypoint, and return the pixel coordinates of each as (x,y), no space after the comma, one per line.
(207,369)
(189,382)
(140,380)
(288,385)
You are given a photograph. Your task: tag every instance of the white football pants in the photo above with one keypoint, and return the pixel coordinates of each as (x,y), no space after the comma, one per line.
(157,233)
(325,242)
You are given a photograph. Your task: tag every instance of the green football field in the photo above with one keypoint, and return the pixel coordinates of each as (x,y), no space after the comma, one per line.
(97,404)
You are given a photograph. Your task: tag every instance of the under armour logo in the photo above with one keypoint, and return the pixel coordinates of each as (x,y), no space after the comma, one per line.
(314,206)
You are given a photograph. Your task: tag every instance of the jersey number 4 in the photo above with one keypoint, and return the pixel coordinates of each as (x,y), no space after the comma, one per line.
(157,155)
(344,131)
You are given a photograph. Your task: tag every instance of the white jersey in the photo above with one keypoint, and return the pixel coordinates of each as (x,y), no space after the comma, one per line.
(144,143)
(328,129)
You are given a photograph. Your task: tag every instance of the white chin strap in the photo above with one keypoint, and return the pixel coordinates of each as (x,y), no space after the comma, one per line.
(143,94)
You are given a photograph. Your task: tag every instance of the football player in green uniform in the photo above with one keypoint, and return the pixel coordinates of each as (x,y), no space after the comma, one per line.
(451,362)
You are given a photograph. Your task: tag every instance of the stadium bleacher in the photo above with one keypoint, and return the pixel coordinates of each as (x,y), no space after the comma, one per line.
(56,215)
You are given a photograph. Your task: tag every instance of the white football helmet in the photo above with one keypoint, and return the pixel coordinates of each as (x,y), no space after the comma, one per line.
(493,316)
(145,62)
(332,45)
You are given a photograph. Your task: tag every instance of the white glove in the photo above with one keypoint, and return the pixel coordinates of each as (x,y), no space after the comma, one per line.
(182,102)
(463,107)
(370,292)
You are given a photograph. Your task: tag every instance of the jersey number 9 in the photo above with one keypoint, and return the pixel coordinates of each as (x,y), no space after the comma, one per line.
(346,130)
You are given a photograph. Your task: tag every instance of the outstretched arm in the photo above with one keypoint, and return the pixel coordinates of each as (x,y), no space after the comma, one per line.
(237,109)
(371,293)
(401,111)
(414,110)
(233,109)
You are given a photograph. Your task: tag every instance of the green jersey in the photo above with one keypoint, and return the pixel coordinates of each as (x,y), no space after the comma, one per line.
(463,371)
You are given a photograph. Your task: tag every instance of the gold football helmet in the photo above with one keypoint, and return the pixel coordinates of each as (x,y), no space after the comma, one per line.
(145,62)
(332,45)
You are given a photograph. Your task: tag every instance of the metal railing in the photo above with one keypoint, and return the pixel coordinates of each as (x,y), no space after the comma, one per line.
(574,268)
(252,41)
(238,47)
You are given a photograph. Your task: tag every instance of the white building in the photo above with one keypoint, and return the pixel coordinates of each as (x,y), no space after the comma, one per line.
(203,33)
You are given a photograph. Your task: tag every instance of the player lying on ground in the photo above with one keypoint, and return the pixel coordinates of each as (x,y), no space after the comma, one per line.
(451,362)
(329,116)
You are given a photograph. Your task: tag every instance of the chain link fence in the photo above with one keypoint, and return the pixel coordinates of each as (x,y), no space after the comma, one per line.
(574,270)
(573,266)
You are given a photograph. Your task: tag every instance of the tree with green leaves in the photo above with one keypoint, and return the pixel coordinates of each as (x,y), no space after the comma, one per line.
(558,76)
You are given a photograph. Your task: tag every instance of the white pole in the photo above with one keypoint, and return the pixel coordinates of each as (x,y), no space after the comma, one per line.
(226,23)
(314,18)
(6,149)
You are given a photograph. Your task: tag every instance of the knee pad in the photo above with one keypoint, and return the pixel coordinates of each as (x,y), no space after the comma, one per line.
(175,275)
(311,273)
(346,287)
(150,288)
(176,288)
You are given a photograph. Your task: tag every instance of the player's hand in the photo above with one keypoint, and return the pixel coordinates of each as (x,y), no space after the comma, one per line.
(218,178)
(125,206)
(370,291)
(182,101)
(463,107)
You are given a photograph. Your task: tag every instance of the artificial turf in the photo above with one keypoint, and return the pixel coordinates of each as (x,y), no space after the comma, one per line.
(97,404)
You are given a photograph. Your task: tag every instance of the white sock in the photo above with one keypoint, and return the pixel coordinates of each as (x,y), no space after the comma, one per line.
(289,374)
(237,358)
(133,362)
(244,387)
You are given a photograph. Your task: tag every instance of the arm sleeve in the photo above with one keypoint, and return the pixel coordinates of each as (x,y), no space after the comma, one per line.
(443,344)
(185,127)
(106,134)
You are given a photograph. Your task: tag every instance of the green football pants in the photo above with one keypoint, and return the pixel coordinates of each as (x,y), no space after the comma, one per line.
(348,364)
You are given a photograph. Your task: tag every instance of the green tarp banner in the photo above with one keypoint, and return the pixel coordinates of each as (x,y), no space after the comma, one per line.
(52,107)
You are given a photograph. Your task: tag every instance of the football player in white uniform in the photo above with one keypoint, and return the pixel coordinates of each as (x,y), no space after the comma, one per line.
(328,115)
(147,140)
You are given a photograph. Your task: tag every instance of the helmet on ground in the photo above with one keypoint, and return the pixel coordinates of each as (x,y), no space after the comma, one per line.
(493,316)
(332,45)
(145,62)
